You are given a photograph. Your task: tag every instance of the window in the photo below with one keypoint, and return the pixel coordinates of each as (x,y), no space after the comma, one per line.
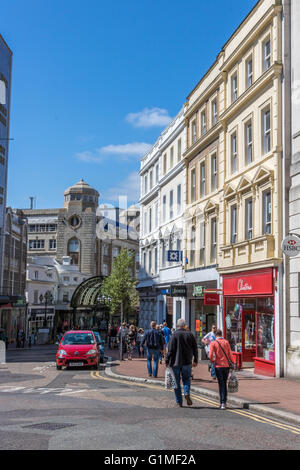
(202,179)
(233,153)
(266,131)
(203,122)
(194,134)
(73,250)
(65,297)
(145,184)
(193,185)
(171,205)
(202,243)
(144,258)
(164,208)
(165,163)
(52,244)
(163,254)
(171,157)
(156,215)
(179,150)
(155,261)
(213,240)
(74,221)
(105,250)
(214,112)
(249,73)
(145,222)
(36,274)
(248,219)
(36,297)
(193,245)
(267,208)
(234,88)
(178,198)
(233,224)
(267,54)
(214,172)
(150,261)
(150,219)
(156,174)
(36,244)
(66,278)
(248,143)
(105,270)
(150,179)
(178,244)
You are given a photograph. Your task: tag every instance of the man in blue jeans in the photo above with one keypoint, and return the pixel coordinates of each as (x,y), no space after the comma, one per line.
(182,354)
(154,341)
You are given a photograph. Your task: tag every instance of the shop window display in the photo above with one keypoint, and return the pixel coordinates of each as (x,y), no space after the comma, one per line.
(233,320)
(265,329)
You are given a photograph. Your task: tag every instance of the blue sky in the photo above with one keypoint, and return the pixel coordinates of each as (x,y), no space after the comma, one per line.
(95,83)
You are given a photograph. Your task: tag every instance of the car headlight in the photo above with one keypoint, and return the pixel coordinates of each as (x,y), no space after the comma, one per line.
(61,353)
(91,351)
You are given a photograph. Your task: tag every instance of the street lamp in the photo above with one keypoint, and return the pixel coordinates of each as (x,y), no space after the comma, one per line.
(47,296)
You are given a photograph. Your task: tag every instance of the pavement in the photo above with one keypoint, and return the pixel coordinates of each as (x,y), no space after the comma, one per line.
(275,397)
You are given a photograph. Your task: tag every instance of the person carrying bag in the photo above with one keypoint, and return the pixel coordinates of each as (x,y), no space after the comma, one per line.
(221,355)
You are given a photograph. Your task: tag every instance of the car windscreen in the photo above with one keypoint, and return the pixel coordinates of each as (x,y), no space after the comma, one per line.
(78,338)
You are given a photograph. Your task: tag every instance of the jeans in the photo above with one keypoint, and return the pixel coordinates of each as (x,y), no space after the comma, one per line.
(185,373)
(153,353)
(212,370)
(222,376)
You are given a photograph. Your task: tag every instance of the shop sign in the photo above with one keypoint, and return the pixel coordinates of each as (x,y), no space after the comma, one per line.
(174,256)
(165,291)
(178,291)
(198,291)
(254,283)
(211,298)
(291,246)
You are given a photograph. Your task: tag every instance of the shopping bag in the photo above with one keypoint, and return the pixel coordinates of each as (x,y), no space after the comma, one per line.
(170,381)
(233,383)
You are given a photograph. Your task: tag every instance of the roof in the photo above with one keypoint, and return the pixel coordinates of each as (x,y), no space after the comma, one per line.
(81,186)
(87,293)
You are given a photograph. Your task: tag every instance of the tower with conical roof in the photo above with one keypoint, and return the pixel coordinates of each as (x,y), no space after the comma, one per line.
(76,229)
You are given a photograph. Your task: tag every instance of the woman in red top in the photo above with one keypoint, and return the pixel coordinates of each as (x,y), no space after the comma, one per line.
(220,354)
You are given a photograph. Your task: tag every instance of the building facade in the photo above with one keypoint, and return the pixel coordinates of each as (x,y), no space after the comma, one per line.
(234,187)
(5,96)
(162,205)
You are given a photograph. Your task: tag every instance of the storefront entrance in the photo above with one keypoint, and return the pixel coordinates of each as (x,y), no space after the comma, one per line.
(249,319)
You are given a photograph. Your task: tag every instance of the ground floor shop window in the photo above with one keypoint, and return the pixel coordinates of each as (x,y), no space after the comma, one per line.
(202,319)
(265,329)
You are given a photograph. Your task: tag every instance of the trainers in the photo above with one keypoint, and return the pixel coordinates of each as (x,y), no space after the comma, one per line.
(188,400)
(178,405)
(222,406)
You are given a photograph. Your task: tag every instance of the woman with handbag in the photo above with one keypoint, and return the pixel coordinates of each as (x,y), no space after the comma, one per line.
(221,355)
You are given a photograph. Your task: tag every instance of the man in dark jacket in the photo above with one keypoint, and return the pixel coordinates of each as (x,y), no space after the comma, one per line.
(154,341)
(182,354)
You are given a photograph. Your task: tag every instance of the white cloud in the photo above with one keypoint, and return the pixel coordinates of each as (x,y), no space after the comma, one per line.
(149,117)
(130,187)
(124,152)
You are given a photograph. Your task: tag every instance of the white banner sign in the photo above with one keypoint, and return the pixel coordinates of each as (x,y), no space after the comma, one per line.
(291,246)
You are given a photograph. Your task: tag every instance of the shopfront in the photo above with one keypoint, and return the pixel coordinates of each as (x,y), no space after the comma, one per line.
(202,316)
(249,319)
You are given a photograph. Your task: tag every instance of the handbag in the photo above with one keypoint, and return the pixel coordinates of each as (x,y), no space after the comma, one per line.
(170,381)
(233,383)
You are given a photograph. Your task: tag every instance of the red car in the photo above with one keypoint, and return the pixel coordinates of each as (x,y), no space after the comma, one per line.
(78,348)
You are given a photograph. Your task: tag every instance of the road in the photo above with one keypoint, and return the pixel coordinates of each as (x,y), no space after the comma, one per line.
(42,408)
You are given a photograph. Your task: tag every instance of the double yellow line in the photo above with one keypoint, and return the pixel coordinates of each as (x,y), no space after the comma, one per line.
(207,401)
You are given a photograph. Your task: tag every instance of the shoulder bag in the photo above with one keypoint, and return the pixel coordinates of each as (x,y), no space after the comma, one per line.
(233,383)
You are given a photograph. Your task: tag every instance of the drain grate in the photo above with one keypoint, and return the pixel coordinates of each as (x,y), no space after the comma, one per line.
(50,426)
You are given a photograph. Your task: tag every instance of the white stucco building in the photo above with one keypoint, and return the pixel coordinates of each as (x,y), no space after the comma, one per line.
(162,206)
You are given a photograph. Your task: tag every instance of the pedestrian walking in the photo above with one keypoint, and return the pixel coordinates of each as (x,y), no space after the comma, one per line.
(122,334)
(139,338)
(207,340)
(167,335)
(131,341)
(182,355)
(221,355)
(155,343)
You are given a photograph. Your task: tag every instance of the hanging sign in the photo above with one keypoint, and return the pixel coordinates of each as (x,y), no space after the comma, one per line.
(174,256)
(290,246)
(198,291)
(211,298)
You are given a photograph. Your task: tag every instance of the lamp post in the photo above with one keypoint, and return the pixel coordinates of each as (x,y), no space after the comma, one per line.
(47,296)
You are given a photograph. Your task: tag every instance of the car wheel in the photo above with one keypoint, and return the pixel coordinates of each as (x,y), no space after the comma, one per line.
(58,367)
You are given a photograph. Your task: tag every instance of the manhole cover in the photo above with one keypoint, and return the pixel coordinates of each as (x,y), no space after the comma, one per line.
(49,426)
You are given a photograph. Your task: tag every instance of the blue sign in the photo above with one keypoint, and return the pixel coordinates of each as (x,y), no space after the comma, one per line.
(174,256)
(165,291)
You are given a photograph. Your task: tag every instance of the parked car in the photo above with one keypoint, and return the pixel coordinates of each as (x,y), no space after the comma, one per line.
(78,349)
(101,344)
